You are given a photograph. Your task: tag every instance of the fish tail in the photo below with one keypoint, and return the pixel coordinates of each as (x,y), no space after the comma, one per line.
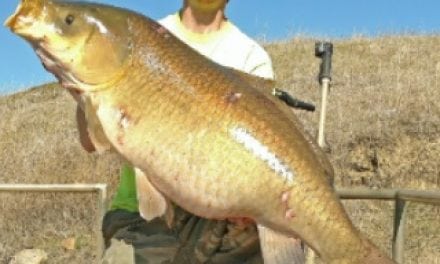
(369,254)
(332,236)
(374,256)
(278,248)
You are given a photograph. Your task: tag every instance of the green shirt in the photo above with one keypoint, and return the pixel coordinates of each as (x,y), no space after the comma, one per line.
(126,197)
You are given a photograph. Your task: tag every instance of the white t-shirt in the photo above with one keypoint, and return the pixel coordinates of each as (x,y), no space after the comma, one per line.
(228,46)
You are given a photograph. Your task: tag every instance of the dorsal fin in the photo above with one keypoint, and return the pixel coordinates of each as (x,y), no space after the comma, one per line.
(262,84)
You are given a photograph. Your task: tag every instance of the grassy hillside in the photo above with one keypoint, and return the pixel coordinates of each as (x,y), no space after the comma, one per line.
(383,131)
(384,114)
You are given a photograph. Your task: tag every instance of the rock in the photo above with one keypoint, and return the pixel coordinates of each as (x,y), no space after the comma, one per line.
(69,243)
(119,253)
(29,256)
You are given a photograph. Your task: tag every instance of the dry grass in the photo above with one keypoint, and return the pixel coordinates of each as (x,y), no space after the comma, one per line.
(383,129)
(383,126)
(39,144)
(384,115)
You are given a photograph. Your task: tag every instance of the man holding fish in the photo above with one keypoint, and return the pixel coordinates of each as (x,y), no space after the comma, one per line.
(211,139)
(203,25)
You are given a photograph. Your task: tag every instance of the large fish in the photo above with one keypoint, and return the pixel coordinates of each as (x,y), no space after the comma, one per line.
(210,139)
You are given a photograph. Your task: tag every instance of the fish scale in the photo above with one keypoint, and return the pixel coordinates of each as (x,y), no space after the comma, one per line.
(248,166)
(209,138)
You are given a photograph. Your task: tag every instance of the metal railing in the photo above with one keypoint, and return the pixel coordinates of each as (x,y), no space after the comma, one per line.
(101,189)
(400,197)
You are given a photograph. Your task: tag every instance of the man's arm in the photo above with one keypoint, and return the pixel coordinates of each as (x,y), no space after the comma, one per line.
(258,63)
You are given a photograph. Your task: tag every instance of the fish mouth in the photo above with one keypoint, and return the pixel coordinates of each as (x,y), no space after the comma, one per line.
(11,21)
(57,68)
(27,14)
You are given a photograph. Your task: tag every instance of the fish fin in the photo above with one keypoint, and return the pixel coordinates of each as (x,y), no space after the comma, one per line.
(94,128)
(152,203)
(278,248)
(169,214)
(374,255)
(263,84)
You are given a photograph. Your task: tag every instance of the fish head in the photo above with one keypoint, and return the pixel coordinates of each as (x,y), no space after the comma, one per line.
(84,45)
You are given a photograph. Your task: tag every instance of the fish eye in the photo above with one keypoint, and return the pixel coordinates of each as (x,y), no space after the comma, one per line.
(69,19)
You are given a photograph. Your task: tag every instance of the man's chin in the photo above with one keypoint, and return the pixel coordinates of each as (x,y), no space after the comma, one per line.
(207,5)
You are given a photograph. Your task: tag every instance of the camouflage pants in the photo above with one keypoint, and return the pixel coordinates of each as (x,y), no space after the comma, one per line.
(191,240)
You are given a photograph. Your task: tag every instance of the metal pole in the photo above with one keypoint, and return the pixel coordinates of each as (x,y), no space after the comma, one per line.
(325,88)
(102,209)
(324,51)
(399,231)
(52,187)
(426,196)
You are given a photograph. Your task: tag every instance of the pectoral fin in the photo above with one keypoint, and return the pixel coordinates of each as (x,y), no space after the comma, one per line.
(152,203)
(279,249)
(94,128)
